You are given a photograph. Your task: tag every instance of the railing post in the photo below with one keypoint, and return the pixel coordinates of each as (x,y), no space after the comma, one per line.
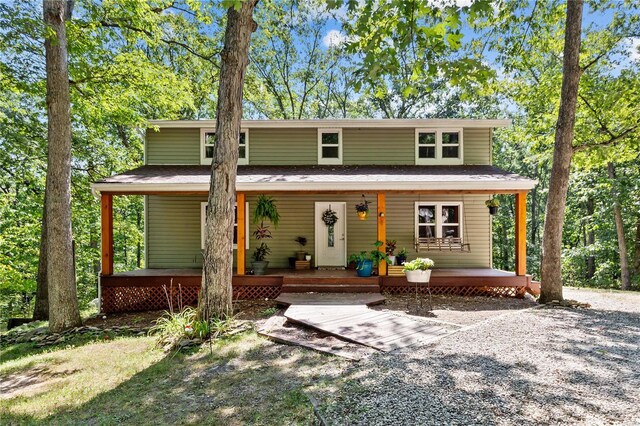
(521,233)
(106,220)
(382,230)
(242,238)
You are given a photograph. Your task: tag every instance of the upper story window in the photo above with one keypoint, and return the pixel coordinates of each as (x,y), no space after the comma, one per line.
(329,146)
(208,143)
(438,146)
(438,220)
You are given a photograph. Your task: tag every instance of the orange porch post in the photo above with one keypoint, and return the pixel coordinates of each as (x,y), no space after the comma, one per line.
(242,238)
(106,220)
(521,233)
(382,229)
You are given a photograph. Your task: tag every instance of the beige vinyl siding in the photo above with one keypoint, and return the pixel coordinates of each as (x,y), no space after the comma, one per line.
(172,146)
(378,146)
(283,147)
(477,146)
(174,229)
(476,232)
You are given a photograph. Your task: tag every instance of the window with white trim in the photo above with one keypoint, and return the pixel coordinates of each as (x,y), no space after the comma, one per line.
(438,146)
(329,146)
(203,220)
(208,143)
(438,220)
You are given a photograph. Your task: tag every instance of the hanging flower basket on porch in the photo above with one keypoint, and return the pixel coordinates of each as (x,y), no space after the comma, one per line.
(493,205)
(362,209)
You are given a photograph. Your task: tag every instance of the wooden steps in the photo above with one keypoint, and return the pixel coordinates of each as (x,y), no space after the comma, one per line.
(330,285)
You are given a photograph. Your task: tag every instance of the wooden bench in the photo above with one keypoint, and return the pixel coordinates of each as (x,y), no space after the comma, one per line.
(440,244)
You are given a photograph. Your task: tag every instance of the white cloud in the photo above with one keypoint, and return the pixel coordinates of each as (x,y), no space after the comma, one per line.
(334,38)
(634,48)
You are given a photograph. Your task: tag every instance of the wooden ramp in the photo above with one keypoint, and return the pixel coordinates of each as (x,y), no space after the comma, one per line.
(357,323)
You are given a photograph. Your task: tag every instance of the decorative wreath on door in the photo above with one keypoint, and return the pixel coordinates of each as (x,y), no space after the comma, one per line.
(330,217)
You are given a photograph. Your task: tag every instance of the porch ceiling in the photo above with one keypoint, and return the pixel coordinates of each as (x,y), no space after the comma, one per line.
(158,179)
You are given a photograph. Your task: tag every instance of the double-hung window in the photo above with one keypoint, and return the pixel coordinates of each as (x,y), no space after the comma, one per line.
(329,146)
(203,220)
(438,220)
(438,146)
(208,143)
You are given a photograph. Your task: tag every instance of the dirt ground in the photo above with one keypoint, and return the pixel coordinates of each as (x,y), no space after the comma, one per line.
(455,309)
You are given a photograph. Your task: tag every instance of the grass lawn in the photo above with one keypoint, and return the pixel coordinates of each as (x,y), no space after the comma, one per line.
(247,379)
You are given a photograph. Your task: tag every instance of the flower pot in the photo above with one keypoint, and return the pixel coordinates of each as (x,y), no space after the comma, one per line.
(364,268)
(300,254)
(392,259)
(259,268)
(307,258)
(401,260)
(363,215)
(418,276)
(493,210)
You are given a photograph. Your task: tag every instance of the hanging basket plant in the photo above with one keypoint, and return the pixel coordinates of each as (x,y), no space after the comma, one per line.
(362,208)
(492,205)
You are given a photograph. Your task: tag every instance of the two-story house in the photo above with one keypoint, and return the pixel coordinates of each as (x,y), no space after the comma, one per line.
(425,181)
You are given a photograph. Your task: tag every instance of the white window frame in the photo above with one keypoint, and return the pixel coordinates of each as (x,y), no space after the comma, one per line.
(438,218)
(203,219)
(439,160)
(206,161)
(322,160)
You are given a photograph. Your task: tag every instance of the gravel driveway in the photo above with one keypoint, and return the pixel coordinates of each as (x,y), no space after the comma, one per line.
(539,366)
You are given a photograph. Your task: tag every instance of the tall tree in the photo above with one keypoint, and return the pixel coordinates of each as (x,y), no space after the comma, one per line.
(551,268)
(63,301)
(625,278)
(217,271)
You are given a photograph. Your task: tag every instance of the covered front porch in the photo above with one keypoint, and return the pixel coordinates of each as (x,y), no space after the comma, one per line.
(396,195)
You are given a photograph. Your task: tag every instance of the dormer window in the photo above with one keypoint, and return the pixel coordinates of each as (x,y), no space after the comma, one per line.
(329,146)
(208,143)
(438,146)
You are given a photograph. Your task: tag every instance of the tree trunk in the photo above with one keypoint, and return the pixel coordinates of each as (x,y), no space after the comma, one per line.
(551,270)
(625,279)
(41,308)
(590,238)
(217,272)
(63,301)
(636,253)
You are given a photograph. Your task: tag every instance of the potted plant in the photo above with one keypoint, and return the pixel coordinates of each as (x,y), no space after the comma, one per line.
(418,270)
(300,254)
(365,261)
(265,210)
(390,248)
(493,205)
(362,209)
(402,256)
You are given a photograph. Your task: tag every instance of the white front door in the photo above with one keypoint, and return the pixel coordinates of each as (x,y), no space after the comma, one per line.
(331,244)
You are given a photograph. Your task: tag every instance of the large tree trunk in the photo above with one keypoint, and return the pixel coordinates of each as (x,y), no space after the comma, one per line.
(41,309)
(63,301)
(551,270)
(636,253)
(622,245)
(590,239)
(217,271)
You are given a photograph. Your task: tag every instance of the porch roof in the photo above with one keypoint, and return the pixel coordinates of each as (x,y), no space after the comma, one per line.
(171,179)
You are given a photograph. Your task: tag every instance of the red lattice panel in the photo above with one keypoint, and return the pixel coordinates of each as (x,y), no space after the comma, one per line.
(487,291)
(153,298)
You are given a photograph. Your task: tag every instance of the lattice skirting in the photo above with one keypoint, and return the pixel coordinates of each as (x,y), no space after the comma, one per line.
(487,291)
(152,298)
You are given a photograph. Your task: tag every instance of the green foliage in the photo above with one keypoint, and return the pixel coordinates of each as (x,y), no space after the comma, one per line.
(173,327)
(266,209)
(261,252)
(418,264)
(376,256)
(493,202)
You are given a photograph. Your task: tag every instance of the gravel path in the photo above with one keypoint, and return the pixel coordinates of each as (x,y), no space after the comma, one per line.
(533,367)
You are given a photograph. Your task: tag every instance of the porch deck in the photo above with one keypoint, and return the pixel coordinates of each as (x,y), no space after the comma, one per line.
(151,289)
